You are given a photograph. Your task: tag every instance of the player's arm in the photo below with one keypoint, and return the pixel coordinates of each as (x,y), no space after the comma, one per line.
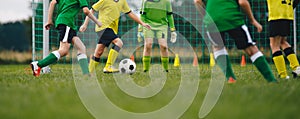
(170,17)
(50,14)
(83,27)
(90,15)
(295,3)
(142,16)
(245,6)
(200,6)
(136,19)
(171,22)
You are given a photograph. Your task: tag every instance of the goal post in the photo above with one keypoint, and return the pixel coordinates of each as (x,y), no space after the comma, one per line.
(45,32)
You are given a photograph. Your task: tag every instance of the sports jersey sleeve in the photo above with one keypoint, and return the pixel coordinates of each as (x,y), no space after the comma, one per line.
(125,8)
(83,3)
(170,16)
(97,5)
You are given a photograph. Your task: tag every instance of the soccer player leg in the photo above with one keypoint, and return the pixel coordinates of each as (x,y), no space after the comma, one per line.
(260,63)
(112,56)
(244,41)
(291,56)
(95,59)
(149,35)
(221,55)
(278,57)
(81,55)
(223,61)
(162,41)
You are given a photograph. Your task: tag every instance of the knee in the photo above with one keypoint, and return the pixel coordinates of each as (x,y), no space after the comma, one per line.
(118,42)
(148,46)
(163,47)
(63,52)
(98,53)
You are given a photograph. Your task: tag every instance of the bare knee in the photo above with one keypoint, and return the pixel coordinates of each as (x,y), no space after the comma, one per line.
(251,50)
(118,42)
(63,51)
(148,46)
(163,47)
(98,53)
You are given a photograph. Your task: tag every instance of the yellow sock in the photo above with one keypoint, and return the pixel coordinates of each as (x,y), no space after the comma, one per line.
(280,66)
(92,65)
(293,61)
(112,56)
(212,60)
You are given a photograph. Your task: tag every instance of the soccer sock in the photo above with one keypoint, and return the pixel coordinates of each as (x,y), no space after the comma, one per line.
(165,62)
(280,64)
(223,62)
(291,56)
(261,64)
(146,63)
(83,62)
(94,62)
(112,56)
(50,59)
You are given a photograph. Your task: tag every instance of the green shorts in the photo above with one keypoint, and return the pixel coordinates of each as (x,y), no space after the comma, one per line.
(162,32)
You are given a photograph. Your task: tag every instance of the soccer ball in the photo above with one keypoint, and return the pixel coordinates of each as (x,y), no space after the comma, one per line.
(127,66)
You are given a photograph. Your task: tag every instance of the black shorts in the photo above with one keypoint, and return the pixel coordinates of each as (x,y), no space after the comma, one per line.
(66,33)
(240,35)
(106,36)
(280,27)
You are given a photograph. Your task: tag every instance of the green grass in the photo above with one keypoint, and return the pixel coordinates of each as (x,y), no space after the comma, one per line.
(54,95)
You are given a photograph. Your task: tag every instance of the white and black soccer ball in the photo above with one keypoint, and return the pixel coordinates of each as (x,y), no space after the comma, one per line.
(127,66)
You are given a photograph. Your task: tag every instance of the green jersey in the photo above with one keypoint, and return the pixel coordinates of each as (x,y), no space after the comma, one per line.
(226,14)
(68,10)
(157,13)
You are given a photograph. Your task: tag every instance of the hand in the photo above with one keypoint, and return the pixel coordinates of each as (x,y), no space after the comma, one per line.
(48,25)
(82,28)
(257,25)
(140,36)
(173,37)
(147,26)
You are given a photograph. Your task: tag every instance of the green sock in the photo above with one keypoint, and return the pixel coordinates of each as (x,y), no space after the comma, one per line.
(50,59)
(224,63)
(84,65)
(263,67)
(146,63)
(165,62)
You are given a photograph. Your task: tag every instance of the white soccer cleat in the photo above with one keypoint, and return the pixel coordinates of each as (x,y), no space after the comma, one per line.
(296,72)
(36,70)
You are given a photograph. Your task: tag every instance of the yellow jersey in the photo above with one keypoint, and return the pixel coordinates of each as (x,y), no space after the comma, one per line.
(280,9)
(109,13)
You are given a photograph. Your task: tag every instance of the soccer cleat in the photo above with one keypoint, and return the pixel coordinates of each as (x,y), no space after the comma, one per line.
(287,77)
(231,80)
(110,69)
(296,72)
(36,70)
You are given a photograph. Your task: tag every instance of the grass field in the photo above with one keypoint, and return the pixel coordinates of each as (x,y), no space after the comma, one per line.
(54,95)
